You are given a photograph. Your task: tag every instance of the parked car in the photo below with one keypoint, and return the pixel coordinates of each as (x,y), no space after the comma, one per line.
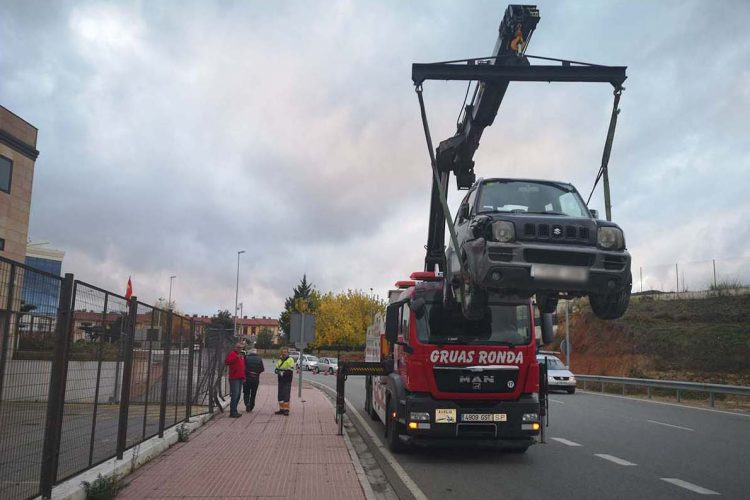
(327,365)
(558,375)
(295,356)
(308,362)
(535,237)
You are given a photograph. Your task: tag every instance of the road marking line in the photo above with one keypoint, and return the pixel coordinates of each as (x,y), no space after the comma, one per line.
(618,461)
(735,413)
(566,442)
(400,472)
(689,486)
(671,425)
(557,401)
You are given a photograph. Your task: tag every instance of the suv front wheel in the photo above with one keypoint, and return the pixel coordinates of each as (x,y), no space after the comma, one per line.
(613,305)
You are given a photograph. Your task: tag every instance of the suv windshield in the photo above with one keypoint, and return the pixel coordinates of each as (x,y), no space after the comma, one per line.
(530,197)
(502,324)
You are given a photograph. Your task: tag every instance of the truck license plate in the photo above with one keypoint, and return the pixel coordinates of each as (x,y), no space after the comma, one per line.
(560,273)
(484,417)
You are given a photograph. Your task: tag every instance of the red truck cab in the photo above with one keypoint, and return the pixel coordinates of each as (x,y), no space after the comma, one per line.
(456,381)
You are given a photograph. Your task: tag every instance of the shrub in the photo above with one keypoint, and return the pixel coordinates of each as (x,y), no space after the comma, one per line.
(103,488)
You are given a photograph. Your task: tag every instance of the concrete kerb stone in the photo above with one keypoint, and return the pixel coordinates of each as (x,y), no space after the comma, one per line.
(132,459)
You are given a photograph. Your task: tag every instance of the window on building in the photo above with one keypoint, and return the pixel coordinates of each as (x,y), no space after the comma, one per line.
(6,171)
(2,245)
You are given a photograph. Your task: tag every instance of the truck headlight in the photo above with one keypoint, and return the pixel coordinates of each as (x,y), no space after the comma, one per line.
(530,417)
(503,231)
(610,238)
(419,416)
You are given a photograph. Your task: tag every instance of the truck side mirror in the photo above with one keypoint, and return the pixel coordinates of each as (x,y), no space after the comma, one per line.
(391,322)
(594,213)
(547,328)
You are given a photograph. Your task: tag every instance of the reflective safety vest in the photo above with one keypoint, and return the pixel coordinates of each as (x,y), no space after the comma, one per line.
(284,364)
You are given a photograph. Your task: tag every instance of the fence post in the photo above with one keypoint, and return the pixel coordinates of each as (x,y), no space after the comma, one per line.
(57,383)
(98,379)
(127,371)
(166,345)
(678,396)
(649,392)
(191,354)
(711,398)
(6,326)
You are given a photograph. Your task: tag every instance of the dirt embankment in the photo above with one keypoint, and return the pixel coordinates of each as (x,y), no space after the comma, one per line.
(701,340)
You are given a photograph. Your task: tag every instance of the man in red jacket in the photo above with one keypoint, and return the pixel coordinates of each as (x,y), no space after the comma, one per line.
(236,363)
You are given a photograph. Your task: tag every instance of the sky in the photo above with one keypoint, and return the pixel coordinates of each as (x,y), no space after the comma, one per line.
(174,134)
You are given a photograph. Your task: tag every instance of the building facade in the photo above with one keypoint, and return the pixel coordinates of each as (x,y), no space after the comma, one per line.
(17,156)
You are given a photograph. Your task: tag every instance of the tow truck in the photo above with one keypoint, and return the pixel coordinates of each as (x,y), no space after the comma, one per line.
(447,377)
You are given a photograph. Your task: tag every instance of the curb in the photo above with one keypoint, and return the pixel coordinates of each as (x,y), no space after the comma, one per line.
(132,459)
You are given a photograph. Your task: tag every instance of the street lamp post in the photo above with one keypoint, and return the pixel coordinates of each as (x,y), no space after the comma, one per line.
(237,291)
(169,301)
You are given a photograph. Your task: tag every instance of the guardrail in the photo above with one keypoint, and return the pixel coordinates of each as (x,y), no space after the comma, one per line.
(678,386)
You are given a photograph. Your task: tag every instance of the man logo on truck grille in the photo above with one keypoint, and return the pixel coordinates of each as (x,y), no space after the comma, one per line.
(476,381)
(511,384)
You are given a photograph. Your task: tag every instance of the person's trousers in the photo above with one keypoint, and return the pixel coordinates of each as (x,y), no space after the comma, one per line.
(249,391)
(235,392)
(284,393)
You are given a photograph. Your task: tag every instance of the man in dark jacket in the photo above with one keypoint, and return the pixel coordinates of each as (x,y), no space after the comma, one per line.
(253,369)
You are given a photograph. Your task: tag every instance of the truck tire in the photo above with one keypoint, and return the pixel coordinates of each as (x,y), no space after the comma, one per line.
(393,428)
(572,390)
(611,306)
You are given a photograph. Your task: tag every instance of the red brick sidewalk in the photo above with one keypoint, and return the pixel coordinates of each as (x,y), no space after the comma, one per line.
(259,455)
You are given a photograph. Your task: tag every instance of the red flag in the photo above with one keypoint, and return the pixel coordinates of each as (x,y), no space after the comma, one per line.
(129,291)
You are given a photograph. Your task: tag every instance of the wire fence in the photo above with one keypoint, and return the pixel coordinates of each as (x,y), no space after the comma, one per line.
(86,374)
(694,276)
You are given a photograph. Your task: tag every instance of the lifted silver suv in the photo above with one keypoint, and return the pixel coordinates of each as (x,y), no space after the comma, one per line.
(525,237)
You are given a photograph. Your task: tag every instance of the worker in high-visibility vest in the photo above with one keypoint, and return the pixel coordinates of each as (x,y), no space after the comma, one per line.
(284,368)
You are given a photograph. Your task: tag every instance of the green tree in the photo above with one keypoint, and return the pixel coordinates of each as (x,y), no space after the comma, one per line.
(265,339)
(222,320)
(304,298)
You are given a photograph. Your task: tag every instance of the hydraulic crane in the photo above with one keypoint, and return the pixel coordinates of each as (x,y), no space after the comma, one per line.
(493,74)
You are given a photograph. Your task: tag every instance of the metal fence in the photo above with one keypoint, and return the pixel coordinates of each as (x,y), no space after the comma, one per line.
(678,386)
(692,276)
(86,374)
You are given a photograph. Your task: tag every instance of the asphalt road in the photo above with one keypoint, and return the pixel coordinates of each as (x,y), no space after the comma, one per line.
(598,446)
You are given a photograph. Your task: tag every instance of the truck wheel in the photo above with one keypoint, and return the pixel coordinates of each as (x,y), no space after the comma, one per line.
(611,306)
(393,430)
(572,390)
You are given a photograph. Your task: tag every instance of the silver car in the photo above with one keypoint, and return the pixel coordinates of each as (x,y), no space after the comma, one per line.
(308,362)
(327,365)
(558,375)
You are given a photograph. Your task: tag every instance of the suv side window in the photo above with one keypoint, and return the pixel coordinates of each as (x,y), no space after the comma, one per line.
(470,200)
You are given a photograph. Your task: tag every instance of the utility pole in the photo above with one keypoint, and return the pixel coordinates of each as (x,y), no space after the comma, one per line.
(237,291)
(169,301)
